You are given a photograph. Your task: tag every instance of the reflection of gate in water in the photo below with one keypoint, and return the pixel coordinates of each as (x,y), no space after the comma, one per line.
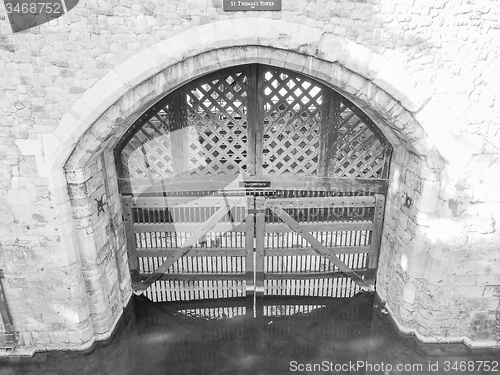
(253,180)
(289,328)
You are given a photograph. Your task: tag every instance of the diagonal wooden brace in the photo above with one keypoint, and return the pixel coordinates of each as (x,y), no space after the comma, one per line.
(321,249)
(188,244)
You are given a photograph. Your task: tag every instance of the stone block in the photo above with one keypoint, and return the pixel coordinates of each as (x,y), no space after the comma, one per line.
(83,210)
(355,83)
(134,70)
(102,130)
(102,323)
(409,293)
(358,59)
(275,33)
(340,77)
(81,337)
(417,264)
(303,39)
(491,291)
(296,62)
(64,132)
(317,68)
(330,47)
(243,31)
(171,50)
(58,338)
(41,339)
(27,167)
(426,203)
(200,39)
(86,245)
(19,197)
(29,146)
(264,55)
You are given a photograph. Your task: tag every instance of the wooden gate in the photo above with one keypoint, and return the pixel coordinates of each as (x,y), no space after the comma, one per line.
(231,245)
(256,180)
(321,246)
(189,246)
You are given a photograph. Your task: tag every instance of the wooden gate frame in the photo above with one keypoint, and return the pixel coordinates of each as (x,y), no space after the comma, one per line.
(277,206)
(255,229)
(226,203)
(273,105)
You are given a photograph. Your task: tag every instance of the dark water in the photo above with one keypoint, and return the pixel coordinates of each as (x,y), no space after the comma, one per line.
(275,336)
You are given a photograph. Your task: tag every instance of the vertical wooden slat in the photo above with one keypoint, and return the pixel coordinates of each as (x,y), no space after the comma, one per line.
(259,253)
(387,162)
(260,126)
(376,236)
(249,247)
(252,119)
(325,134)
(129,231)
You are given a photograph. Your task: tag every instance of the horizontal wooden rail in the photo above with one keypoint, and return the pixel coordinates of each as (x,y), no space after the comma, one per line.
(186,201)
(235,252)
(321,227)
(322,202)
(205,252)
(295,251)
(310,275)
(187,227)
(231,182)
(197,276)
(241,276)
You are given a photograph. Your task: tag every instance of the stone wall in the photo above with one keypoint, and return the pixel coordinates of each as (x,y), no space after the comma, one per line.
(422,70)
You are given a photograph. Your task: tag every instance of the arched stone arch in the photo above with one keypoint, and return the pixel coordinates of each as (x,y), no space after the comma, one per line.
(88,132)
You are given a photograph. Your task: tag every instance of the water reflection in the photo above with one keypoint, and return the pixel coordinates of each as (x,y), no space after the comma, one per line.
(275,336)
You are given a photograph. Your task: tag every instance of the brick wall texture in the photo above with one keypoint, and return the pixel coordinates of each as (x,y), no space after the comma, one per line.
(66,274)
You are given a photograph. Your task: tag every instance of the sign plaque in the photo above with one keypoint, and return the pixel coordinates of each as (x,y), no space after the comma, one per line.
(255,184)
(234,5)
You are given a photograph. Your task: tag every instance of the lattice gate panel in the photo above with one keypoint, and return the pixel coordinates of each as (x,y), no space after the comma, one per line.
(149,152)
(292,123)
(359,153)
(217,125)
(296,126)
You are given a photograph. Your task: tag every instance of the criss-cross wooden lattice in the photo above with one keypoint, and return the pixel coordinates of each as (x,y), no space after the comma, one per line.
(253,119)
(261,133)
(358,151)
(200,129)
(148,153)
(217,125)
(292,123)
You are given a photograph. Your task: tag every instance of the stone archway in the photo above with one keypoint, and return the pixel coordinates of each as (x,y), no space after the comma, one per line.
(85,138)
